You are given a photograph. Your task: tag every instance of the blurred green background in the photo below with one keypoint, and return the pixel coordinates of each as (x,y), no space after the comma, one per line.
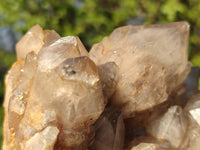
(91,20)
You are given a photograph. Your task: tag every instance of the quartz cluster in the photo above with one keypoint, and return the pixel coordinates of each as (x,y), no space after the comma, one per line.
(53,94)
(127,93)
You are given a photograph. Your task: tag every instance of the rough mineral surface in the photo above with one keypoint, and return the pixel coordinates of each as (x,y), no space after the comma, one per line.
(127,94)
(152,61)
(48,94)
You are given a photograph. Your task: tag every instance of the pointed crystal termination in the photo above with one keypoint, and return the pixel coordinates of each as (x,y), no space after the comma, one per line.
(171,126)
(48,92)
(48,136)
(109,130)
(31,41)
(192,137)
(152,61)
(193,108)
(36,38)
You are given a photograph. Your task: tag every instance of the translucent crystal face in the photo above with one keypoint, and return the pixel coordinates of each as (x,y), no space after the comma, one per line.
(192,137)
(109,130)
(171,126)
(33,40)
(152,61)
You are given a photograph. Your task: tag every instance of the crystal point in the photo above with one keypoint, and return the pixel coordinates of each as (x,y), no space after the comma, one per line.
(31,41)
(43,140)
(145,60)
(192,137)
(110,130)
(171,126)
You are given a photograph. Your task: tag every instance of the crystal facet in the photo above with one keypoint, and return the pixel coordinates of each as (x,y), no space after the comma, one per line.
(192,137)
(149,143)
(110,130)
(171,126)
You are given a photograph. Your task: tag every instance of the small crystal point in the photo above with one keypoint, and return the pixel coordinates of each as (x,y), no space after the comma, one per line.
(171,126)
(31,41)
(50,36)
(109,130)
(192,137)
(43,140)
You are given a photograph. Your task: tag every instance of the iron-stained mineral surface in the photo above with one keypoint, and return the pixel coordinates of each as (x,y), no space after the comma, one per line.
(53,94)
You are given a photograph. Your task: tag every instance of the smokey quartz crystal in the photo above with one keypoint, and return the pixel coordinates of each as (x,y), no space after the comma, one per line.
(152,62)
(48,94)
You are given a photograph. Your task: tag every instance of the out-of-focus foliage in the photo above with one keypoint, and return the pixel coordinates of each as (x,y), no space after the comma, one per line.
(93,19)
(196,62)
(1,126)
(6,60)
